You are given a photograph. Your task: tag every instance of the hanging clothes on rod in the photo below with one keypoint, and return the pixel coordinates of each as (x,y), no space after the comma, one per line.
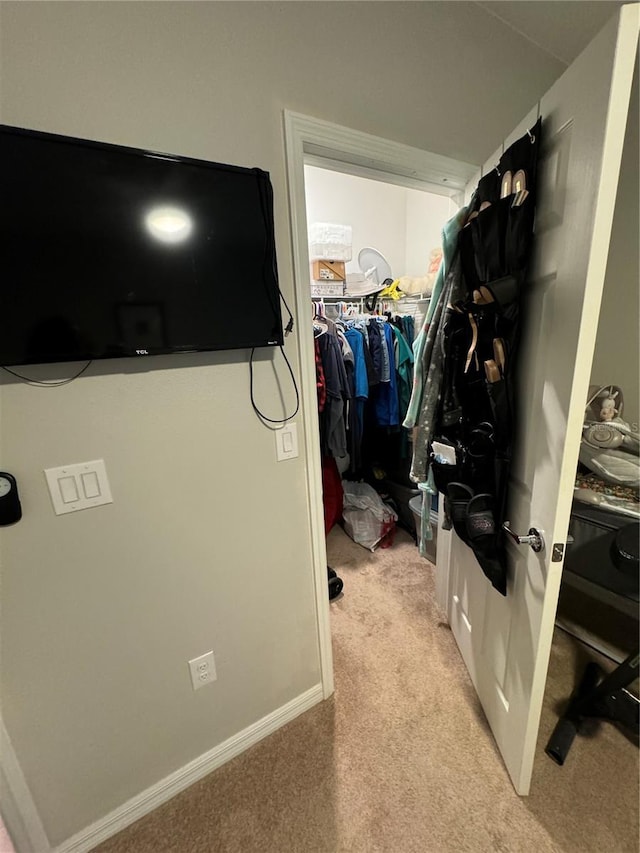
(336,391)
(333,392)
(367,396)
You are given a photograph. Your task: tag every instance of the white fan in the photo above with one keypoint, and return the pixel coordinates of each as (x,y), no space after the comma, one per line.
(374,265)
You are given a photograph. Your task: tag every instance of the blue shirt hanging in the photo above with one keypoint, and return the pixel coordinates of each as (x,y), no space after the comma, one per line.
(386,405)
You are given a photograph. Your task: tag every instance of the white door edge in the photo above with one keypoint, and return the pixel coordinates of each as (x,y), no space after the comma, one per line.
(308,136)
(443,575)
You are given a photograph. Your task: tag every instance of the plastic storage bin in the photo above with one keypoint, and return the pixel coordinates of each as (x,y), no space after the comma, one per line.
(330,242)
(400,495)
(431,545)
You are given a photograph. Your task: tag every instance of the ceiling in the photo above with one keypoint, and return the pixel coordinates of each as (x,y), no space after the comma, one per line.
(562,28)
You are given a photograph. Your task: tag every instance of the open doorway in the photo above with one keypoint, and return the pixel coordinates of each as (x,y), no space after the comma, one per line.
(360,154)
(365,232)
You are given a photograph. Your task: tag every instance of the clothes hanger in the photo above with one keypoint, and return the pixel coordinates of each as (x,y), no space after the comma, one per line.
(319,326)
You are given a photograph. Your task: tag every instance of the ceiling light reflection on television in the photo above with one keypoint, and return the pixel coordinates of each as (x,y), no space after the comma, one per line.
(169,224)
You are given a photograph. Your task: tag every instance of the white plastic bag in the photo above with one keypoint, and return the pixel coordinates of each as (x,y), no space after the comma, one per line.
(367,518)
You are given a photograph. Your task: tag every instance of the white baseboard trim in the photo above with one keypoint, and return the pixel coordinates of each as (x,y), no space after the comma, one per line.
(168,787)
(19,813)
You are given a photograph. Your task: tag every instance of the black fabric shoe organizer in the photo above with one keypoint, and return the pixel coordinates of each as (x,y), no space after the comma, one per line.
(477,404)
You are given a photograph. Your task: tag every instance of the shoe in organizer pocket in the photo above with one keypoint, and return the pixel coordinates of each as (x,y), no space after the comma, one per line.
(444,474)
(519,236)
(489,233)
(480,521)
(458,497)
(501,413)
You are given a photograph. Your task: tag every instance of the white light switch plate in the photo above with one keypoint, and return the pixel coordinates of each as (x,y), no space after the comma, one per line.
(79,486)
(287,442)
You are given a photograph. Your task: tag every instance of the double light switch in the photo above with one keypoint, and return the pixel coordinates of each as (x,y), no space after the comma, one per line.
(80,486)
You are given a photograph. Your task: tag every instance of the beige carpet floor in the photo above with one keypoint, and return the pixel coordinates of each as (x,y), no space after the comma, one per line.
(401,758)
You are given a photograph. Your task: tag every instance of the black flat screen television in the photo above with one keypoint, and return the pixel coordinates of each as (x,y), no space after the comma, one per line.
(110,252)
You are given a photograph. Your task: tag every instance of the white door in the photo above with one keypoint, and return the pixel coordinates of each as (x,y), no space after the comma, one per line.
(505,641)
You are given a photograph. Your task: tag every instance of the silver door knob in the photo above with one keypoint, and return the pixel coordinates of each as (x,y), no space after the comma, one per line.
(534,538)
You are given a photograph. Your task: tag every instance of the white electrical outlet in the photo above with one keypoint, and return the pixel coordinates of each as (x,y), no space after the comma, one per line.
(203,670)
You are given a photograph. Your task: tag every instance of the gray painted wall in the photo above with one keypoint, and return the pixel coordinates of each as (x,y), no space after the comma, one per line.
(207,542)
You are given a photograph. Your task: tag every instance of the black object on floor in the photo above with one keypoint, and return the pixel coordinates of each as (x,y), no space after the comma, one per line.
(335,584)
(606,700)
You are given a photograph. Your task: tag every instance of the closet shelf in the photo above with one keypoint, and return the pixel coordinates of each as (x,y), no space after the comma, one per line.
(404,300)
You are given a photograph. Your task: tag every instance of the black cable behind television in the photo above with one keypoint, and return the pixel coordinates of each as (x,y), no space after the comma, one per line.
(110,252)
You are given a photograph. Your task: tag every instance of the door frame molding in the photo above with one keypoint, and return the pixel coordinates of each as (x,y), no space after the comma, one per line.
(19,811)
(346,150)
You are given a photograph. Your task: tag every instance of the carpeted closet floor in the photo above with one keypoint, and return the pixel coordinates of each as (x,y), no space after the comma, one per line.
(401,759)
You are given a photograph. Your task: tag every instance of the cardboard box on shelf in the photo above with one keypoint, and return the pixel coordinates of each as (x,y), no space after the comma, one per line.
(328,271)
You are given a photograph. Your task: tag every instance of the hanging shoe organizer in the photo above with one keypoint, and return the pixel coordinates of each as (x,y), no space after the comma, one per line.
(475,417)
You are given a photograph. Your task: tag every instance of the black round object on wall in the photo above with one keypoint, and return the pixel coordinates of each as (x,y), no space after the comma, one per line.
(10,508)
